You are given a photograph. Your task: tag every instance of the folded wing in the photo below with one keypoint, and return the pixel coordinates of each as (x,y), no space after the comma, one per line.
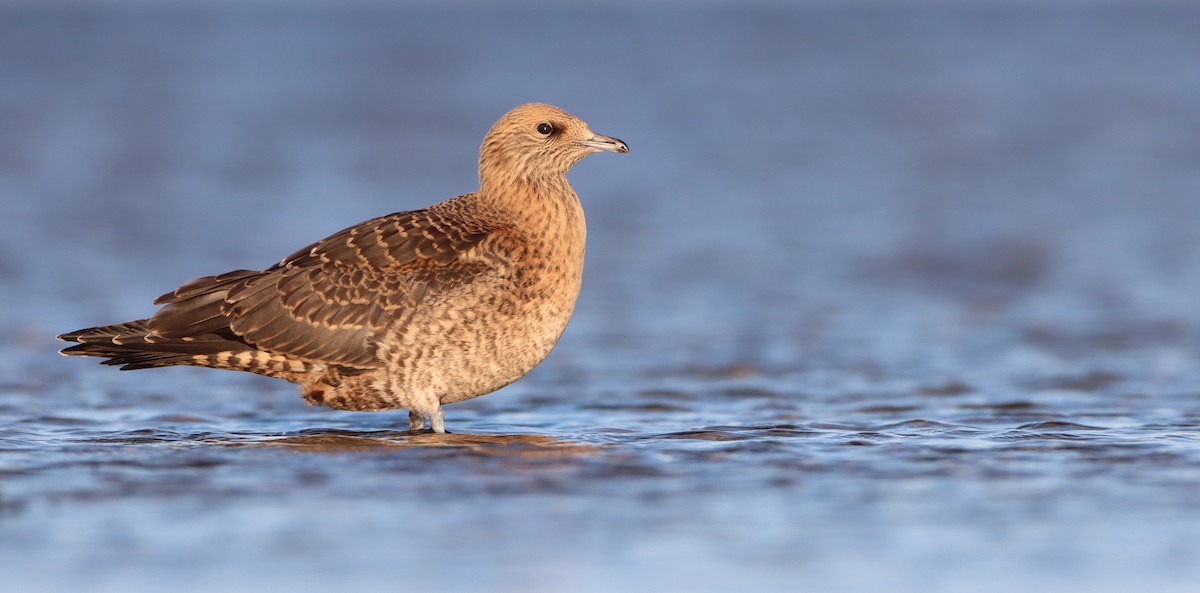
(329,301)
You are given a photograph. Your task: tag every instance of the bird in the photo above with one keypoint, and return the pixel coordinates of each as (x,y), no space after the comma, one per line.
(411,310)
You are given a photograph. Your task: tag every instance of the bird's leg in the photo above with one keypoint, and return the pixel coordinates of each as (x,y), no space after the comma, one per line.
(437,420)
(416,420)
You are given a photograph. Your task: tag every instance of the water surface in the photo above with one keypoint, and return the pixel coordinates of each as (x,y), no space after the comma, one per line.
(883,299)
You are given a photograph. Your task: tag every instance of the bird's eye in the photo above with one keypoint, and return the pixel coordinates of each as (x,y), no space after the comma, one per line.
(545,129)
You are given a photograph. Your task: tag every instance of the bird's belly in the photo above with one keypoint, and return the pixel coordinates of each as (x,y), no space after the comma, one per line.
(481,344)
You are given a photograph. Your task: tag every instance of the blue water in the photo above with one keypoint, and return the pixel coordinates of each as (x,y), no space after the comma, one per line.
(884,299)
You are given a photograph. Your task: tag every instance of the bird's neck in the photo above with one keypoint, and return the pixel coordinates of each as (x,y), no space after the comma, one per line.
(530,195)
(547,206)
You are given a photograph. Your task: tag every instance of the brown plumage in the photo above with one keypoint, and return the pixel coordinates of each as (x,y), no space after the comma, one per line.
(410,310)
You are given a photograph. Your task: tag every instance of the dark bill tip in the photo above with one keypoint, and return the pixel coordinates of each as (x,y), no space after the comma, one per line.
(602,143)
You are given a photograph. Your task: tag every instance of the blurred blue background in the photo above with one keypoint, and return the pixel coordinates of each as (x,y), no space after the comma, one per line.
(888,295)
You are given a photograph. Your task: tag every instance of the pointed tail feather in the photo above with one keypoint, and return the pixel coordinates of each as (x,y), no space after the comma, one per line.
(125,345)
(132,345)
(111,334)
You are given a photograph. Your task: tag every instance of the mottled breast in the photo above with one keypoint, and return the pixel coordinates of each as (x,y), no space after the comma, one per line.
(491,331)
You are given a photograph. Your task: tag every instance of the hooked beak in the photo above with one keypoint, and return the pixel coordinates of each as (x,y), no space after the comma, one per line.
(602,143)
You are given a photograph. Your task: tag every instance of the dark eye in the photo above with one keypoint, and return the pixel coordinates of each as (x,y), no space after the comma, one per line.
(545,129)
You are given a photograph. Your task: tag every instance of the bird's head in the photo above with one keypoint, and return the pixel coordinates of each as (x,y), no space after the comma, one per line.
(536,140)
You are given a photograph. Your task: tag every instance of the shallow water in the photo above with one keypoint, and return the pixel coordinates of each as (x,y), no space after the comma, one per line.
(883,299)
